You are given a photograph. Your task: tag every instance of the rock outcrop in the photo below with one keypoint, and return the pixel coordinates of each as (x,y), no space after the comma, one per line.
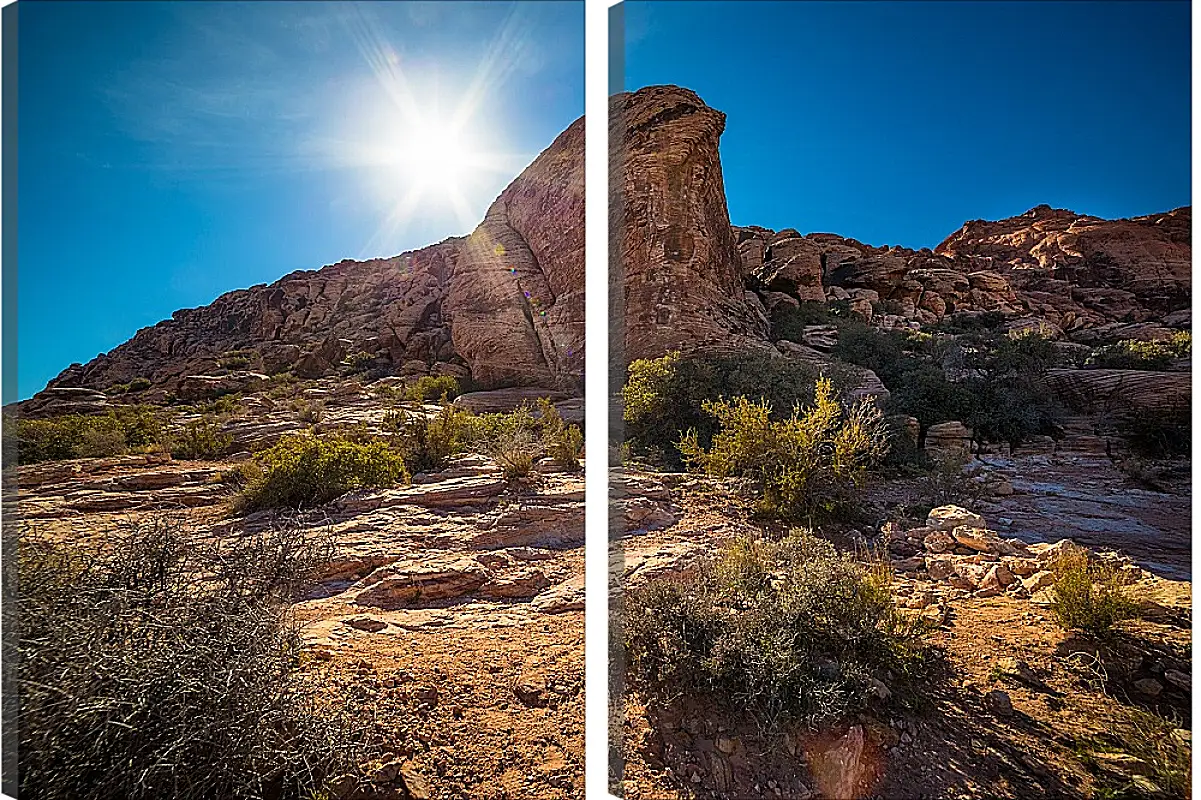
(504,305)
(1047,268)
(676,253)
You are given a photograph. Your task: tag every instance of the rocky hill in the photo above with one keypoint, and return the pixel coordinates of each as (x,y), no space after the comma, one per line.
(692,280)
(502,307)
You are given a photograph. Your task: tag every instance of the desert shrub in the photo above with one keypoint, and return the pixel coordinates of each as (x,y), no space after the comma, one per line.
(302,471)
(429,387)
(483,431)
(227,405)
(427,443)
(1087,596)
(233,362)
(786,630)
(242,474)
(1135,354)
(663,397)
(563,442)
(1165,434)
(310,412)
(100,441)
(80,436)
(970,322)
(1002,396)
(283,385)
(158,666)
(808,466)
(390,393)
(135,385)
(201,440)
(516,457)
(789,322)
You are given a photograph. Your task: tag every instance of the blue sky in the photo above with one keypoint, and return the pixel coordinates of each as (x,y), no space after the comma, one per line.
(170,152)
(895,122)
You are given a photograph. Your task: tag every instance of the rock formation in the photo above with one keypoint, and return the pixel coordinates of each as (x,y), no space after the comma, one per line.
(503,305)
(681,271)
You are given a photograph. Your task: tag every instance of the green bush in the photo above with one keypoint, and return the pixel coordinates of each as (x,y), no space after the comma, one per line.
(563,442)
(80,436)
(785,630)
(808,466)
(428,387)
(1087,596)
(201,440)
(1002,396)
(301,471)
(516,456)
(1135,354)
(310,412)
(135,385)
(228,405)
(1165,434)
(663,397)
(427,443)
(140,681)
(789,322)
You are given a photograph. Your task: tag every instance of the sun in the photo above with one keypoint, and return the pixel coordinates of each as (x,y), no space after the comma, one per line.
(425,146)
(433,155)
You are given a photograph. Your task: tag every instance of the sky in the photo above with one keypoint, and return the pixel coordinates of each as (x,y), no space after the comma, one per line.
(170,152)
(895,122)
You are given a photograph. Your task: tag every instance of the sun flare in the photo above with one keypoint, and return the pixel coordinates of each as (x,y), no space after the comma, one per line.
(433,155)
(423,139)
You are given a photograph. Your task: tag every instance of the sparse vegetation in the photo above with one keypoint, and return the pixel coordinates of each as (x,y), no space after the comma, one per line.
(807,466)
(125,428)
(201,439)
(225,406)
(1134,354)
(786,630)
(310,412)
(135,385)
(158,666)
(516,455)
(564,442)
(663,397)
(789,322)
(1165,434)
(1087,596)
(429,387)
(426,443)
(1000,392)
(302,471)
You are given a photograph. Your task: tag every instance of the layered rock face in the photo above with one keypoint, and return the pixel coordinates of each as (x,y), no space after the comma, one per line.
(504,305)
(1141,265)
(681,272)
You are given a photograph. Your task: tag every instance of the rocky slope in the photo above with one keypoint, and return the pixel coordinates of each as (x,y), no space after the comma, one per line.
(1065,271)
(503,306)
(452,606)
(1023,708)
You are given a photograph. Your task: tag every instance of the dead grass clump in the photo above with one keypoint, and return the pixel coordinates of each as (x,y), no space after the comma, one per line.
(789,629)
(160,666)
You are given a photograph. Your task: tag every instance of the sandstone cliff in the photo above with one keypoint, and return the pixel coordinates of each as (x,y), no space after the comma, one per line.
(503,306)
(680,270)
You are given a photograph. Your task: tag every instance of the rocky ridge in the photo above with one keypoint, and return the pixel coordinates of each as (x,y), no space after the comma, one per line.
(502,307)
